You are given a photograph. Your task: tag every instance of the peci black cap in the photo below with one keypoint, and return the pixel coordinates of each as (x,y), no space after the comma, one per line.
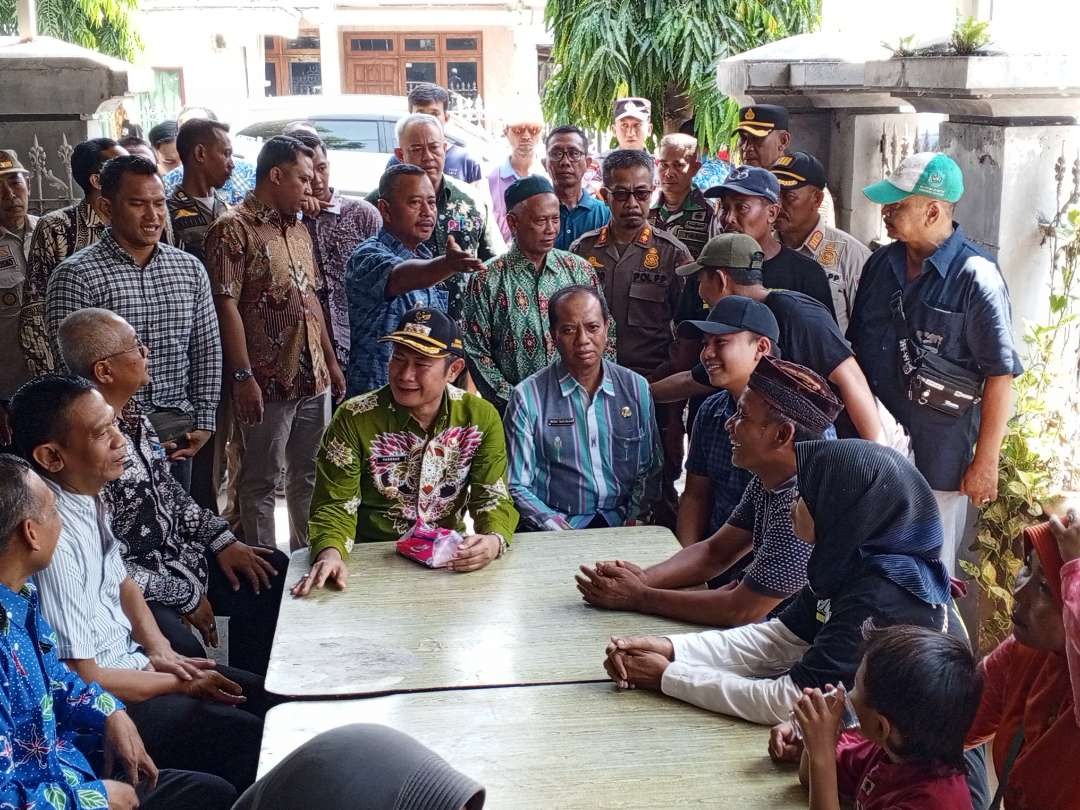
(165,131)
(528,186)
(428,331)
(799,169)
(734,313)
(761,119)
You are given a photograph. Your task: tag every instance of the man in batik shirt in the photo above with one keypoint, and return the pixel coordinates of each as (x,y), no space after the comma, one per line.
(340,225)
(506,312)
(58,235)
(416,449)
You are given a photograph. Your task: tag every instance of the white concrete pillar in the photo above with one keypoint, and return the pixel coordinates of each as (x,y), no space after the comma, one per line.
(854,162)
(1008,187)
(330,57)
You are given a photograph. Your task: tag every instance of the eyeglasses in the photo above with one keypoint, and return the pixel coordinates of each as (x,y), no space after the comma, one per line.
(573,155)
(139,347)
(624,194)
(523,129)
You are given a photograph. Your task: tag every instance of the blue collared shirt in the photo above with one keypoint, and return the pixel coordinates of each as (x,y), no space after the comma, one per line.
(371,315)
(45,708)
(959,308)
(240,182)
(572,459)
(710,457)
(588,215)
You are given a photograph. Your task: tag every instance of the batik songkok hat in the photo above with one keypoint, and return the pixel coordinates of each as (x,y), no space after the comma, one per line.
(796,392)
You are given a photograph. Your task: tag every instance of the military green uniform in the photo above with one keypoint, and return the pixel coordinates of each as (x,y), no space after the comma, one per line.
(643,292)
(842,256)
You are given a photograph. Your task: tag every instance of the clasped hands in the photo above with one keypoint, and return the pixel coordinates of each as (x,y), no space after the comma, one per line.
(615,585)
(638,662)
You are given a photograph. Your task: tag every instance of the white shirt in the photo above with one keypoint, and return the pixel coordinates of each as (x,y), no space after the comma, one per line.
(80,590)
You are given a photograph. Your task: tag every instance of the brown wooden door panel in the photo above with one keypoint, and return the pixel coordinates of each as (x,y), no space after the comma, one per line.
(375,76)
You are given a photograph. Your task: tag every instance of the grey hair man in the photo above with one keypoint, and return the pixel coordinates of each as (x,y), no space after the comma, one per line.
(460,207)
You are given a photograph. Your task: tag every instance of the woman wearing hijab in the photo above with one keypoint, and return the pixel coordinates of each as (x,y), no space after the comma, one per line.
(1031,700)
(877,540)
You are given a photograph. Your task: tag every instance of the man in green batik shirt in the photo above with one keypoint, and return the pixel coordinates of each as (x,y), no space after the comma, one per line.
(507,337)
(416,448)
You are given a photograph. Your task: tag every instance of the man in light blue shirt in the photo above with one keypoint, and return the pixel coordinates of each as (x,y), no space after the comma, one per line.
(393,272)
(581,434)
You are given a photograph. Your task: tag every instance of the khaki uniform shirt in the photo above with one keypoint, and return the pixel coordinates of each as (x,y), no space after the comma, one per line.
(643,292)
(842,256)
(14,248)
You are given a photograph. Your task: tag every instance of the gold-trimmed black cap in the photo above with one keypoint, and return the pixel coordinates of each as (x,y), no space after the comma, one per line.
(799,169)
(761,119)
(428,331)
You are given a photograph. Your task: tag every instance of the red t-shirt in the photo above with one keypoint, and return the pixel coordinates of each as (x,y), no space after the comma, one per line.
(865,773)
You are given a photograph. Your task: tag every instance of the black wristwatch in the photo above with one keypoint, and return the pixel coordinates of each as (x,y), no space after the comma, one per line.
(242,374)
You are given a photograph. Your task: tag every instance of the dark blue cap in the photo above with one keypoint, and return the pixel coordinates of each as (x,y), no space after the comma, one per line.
(734,313)
(751,180)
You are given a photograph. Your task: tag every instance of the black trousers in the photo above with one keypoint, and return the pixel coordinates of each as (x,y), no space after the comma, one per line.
(252,618)
(183,790)
(197,735)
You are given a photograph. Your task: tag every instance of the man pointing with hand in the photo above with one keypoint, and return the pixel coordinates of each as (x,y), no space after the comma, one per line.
(393,272)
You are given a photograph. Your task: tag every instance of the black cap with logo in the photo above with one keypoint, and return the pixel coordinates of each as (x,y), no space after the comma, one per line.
(760,120)
(428,331)
(799,169)
(734,313)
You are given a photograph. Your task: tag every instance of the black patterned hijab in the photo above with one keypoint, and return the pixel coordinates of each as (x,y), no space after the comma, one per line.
(873,511)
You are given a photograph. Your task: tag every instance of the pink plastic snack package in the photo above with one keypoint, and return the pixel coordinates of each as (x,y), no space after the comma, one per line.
(432,546)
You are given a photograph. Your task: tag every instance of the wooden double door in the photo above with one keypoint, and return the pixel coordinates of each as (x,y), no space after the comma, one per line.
(392,63)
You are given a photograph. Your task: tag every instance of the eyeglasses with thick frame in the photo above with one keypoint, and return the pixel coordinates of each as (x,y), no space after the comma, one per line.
(624,194)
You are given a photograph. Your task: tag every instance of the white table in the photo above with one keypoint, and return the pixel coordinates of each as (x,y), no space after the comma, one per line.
(401,627)
(567,746)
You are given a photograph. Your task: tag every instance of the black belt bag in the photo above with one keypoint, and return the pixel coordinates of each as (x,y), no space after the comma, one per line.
(932,381)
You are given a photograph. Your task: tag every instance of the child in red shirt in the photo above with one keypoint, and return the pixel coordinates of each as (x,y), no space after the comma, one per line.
(915,695)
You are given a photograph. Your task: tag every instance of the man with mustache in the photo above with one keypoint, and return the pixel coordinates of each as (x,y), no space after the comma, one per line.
(635,264)
(800,227)
(393,272)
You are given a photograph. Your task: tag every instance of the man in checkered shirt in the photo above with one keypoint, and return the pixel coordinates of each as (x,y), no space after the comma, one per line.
(160,290)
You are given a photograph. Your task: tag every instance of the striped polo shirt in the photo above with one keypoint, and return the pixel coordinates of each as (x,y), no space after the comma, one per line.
(80,589)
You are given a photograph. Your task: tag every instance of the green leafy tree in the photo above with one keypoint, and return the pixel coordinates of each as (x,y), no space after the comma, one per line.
(101,25)
(663,50)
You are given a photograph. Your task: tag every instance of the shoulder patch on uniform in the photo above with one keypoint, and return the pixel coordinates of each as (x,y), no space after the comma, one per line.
(645,235)
(815,240)
(830,254)
(595,262)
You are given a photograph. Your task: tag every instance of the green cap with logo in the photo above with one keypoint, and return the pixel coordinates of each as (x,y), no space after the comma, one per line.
(926,174)
(736,251)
